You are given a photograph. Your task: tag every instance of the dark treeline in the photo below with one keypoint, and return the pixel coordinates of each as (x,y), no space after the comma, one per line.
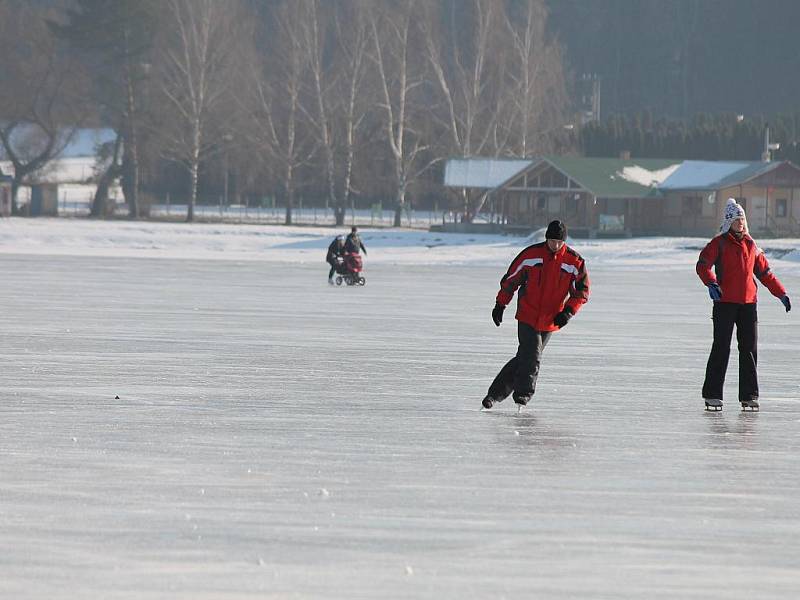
(678,58)
(331,101)
(704,137)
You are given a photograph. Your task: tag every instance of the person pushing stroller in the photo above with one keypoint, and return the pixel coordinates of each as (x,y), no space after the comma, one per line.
(335,256)
(353,243)
(345,260)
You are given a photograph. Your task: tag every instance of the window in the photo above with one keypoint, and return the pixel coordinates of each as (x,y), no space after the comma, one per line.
(780,207)
(710,205)
(572,204)
(692,206)
(541,202)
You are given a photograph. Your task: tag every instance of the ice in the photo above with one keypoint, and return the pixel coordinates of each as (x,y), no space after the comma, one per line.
(276,437)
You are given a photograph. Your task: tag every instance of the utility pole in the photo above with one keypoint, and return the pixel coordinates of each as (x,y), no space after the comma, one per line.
(766,155)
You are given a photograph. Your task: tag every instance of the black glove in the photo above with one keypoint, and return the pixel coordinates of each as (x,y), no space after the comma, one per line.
(497,313)
(786,302)
(563,317)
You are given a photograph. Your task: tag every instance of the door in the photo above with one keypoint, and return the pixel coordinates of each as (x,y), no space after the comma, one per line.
(757,213)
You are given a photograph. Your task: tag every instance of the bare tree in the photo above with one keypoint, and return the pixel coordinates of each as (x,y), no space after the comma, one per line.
(43,104)
(466,56)
(353,36)
(465,65)
(278,83)
(336,38)
(537,89)
(313,31)
(199,59)
(399,73)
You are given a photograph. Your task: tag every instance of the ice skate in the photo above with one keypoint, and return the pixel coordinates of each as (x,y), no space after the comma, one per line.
(488,402)
(713,404)
(751,404)
(521,402)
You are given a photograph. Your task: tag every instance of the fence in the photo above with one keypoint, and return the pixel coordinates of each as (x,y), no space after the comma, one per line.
(300,216)
(79,205)
(274,216)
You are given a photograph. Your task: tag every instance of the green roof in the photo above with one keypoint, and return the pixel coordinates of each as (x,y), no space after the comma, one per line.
(603,178)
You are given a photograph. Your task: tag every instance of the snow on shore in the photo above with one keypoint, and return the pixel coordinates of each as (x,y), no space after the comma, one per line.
(300,245)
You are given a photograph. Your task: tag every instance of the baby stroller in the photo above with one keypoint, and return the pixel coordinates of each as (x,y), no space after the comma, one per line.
(348,269)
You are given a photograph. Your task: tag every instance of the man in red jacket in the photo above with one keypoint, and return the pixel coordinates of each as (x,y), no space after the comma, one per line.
(553,284)
(736,259)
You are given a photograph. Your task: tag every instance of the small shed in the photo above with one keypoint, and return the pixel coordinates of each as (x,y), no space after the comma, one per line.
(44,200)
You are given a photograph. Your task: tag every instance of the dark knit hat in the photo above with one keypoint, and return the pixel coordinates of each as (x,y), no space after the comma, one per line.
(557,230)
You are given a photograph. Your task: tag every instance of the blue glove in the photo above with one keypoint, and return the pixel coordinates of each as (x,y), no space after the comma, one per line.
(714,291)
(786,302)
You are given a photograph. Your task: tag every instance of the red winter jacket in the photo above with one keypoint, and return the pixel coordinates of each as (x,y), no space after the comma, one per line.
(548,283)
(735,263)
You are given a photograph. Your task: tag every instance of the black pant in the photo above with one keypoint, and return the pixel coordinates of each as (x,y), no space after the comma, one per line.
(520,373)
(725,316)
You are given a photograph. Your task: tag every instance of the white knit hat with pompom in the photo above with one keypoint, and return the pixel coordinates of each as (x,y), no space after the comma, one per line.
(733,211)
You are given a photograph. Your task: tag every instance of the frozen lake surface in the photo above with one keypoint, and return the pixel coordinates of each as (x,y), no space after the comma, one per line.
(278,438)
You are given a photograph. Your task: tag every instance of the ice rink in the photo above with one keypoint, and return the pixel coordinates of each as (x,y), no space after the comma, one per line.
(278,438)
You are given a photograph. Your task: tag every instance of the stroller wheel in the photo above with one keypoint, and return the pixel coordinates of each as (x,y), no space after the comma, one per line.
(361,281)
(339,280)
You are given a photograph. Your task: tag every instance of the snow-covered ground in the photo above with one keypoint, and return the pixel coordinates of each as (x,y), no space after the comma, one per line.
(278,438)
(307,245)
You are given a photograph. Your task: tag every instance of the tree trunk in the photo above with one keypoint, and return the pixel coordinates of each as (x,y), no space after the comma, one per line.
(289,205)
(100,201)
(289,187)
(20,172)
(401,204)
(128,180)
(193,169)
(131,191)
(341,209)
(133,200)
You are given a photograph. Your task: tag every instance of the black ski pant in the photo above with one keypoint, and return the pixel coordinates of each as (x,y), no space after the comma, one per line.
(726,315)
(519,374)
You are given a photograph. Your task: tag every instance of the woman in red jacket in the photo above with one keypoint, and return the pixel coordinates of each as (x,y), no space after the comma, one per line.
(736,259)
(553,284)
